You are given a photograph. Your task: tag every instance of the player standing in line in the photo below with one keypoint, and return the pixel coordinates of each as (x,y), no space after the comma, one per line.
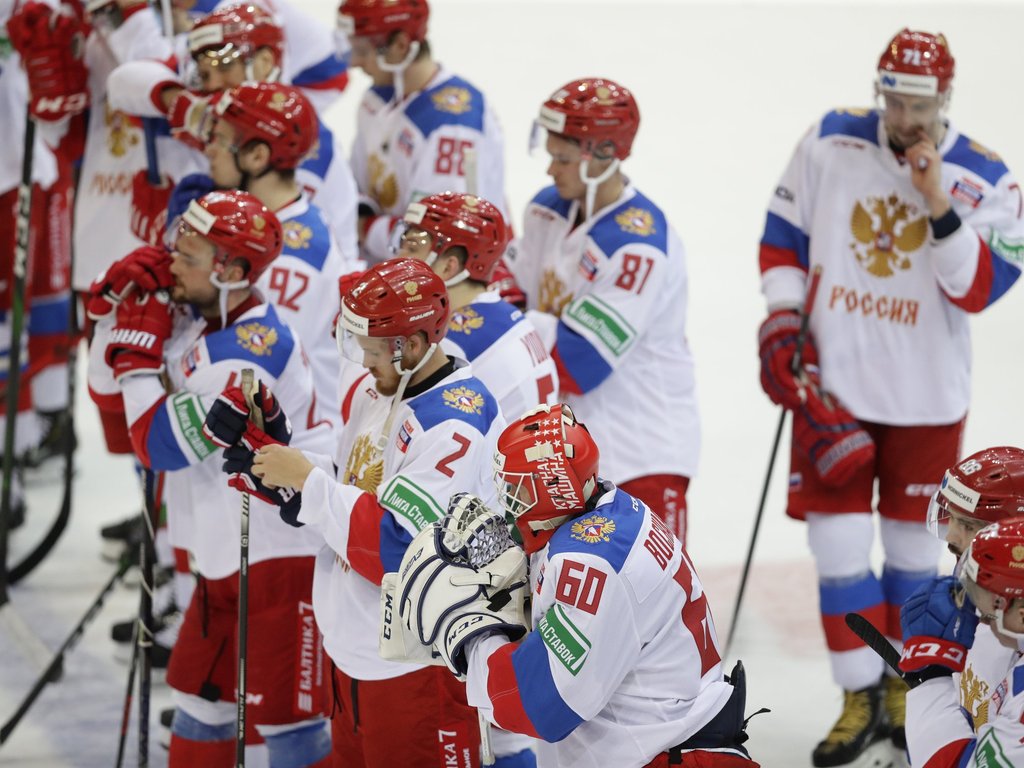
(606,267)
(235,44)
(939,626)
(415,123)
(417,426)
(215,325)
(916,226)
(986,487)
(462,238)
(623,666)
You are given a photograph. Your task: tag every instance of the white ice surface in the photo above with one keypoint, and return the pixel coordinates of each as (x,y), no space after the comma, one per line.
(725,91)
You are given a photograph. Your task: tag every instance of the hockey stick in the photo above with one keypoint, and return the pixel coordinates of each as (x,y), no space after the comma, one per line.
(144,634)
(879,643)
(805,317)
(30,645)
(58,657)
(126,712)
(248,389)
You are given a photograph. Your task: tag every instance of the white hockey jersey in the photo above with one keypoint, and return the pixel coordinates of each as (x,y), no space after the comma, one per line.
(939,735)
(506,353)
(890,319)
(115,149)
(408,150)
(618,285)
(988,662)
(302,284)
(623,661)
(167,430)
(441,442)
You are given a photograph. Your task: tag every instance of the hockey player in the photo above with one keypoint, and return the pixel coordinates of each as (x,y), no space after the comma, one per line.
(216,326)
(417,122)
(235,44)
(623,666)
(263,131)
(939,626)
(986,487)
(608,270)
(913,223)
(417,427)
(462,237)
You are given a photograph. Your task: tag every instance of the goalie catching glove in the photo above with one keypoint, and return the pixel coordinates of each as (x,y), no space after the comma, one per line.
(460,579)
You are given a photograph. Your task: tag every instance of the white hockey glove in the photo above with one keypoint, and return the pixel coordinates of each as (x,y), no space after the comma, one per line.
(445,601)
(396,643)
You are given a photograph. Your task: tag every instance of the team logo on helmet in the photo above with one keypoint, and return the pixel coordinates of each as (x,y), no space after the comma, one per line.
(465,321)
(412,291)
(593,529)
(296,235)
(464,399)
(278,102)
(886,233)
(452,99)
(1018,555)
(636,221)
(256,338)
(258,224)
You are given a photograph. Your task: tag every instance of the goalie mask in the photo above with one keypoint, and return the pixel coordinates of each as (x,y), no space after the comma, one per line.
(986,487)
(454,220)
(992,571)
(545,468)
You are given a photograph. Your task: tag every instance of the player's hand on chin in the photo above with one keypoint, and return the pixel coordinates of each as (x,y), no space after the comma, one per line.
(281,466)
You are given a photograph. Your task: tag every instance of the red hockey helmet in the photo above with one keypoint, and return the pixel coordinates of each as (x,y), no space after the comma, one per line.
(278,115)
(545,467)
(239,226)
(916,63)
(396,298)
(594,112)
(236,31)
(995,559)
(379,19)
(454,219)
(987,486)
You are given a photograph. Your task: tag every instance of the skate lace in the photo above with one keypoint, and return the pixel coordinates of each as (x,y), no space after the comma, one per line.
(856,716)
(895,701)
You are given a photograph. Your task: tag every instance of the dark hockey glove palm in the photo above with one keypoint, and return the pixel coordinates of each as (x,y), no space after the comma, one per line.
(938,623)
(228,418)
(238,460)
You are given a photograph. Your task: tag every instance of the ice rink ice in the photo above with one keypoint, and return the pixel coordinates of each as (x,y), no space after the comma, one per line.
(725,92)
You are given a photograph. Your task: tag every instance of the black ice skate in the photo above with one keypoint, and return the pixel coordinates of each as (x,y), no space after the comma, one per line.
(859,727)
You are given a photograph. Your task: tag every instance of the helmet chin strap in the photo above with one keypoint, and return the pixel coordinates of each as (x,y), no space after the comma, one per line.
(397,70)
(224,290)
(593,182)
(250,75)
(454,279)
(403,382)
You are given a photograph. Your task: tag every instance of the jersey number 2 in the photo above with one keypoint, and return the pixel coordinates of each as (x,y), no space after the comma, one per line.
(444,465)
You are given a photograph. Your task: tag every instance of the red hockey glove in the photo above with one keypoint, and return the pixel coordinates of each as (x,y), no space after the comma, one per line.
(136,346)
(192,117)
(777,347)
(227,421)
(52,46)
(505,283)
(149,208)
(830,436)
(146,269)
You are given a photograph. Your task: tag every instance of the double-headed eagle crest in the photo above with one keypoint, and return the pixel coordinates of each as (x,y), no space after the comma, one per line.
(886,234)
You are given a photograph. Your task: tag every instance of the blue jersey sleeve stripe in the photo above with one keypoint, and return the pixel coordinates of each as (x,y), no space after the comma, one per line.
(48,317)
(1004,275)
(551,717)
(637,220)
(781,234)
(856,595)
(582,360)
(319,162)
(311,248)
(550,199)
(161,443)
(273,357)
(497,318)
(327,69)
(394,540)
(431,110)
(856,125)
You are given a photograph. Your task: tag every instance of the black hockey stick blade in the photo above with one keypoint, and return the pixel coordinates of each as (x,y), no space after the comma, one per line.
(877,642)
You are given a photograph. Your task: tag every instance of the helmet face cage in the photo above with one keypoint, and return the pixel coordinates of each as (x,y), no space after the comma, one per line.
(517,492)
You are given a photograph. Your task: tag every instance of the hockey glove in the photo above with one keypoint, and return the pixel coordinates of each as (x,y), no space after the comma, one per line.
(52,48)
(238,466)
(938,629)
(830,437)
(136,346)
(228,418)
(504,282)
(777,347)
(145,270)
(446,603)
(192,117)
(149,208)
(396,642)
